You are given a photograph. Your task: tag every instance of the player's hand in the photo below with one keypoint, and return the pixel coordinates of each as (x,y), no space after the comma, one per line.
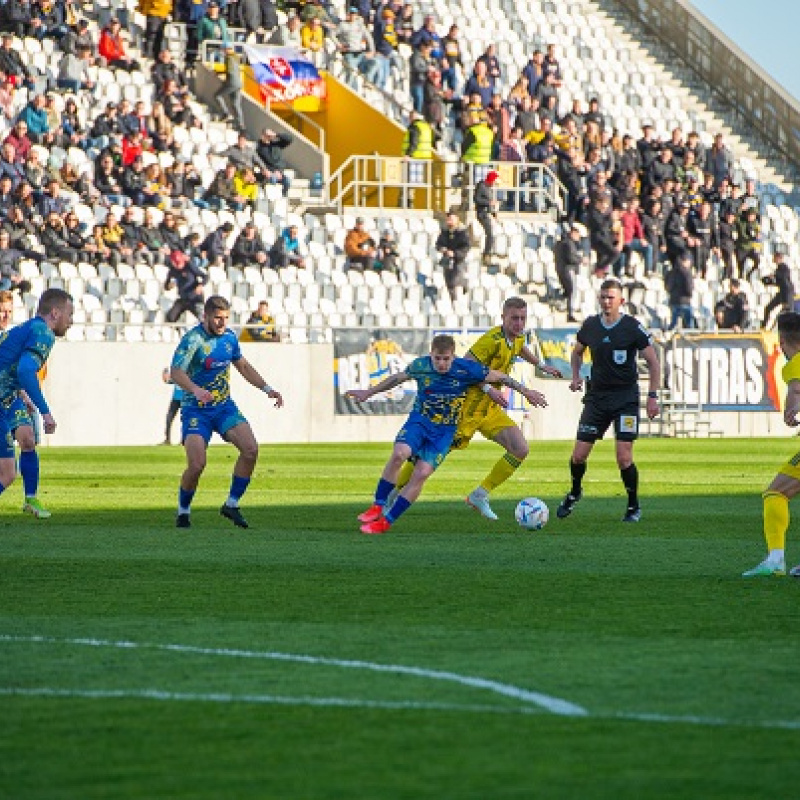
(535,398)
(576,384)
(496,396)
(552,371)
(653,409)
(49,423)
(359,395)
(203,396)
(277,397)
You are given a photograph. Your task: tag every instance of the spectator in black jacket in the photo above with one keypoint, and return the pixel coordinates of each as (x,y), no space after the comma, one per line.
(653,224)
(648,146)
(486,209)
(189,280)
(732,311)
(52,201)
(270,149)
(676,233)
(249,249)
(568,258)
(216,248)
(54,240)
(599,220)
(727,243)
(680,287)
(10,256)
(703,229)
(170,234)
(165,69)
(11,62)
(453,246)
(782,279)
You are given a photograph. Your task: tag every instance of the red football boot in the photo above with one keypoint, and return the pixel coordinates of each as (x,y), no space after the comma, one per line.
(380,525)
(371,514)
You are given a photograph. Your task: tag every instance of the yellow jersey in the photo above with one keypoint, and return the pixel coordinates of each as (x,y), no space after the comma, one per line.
(496,351)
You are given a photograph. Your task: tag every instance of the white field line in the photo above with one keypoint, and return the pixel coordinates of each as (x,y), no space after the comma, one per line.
(552,704)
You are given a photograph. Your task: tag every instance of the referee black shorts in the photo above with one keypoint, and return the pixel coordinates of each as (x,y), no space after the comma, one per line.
(600,409)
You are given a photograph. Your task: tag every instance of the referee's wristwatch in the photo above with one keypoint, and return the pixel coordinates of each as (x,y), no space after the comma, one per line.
(653,395)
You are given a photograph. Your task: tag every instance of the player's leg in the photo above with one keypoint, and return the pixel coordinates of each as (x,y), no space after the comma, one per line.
(29,469)
(783,488)
(241,436)
(592,425)
(499,428)
(626,428)
(401,452)
(172,411)
(8,466)
(195,446)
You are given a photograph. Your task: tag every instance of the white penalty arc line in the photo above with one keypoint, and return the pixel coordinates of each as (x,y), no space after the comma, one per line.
(554,705)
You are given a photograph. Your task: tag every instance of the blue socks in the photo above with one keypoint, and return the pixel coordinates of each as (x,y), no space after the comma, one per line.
(184,500)
(382,492)
(29,469)
(238,488)
(400,506)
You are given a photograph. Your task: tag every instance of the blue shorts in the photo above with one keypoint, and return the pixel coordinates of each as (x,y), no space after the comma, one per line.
(6,437)
(428,442)
(16,414)
(207,421)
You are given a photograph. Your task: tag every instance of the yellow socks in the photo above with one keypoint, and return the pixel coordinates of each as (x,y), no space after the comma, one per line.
(501,472)
(776,520)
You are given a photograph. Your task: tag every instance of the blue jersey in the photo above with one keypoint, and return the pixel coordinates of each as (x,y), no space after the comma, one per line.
(32,337)
(207,359)
(441,395)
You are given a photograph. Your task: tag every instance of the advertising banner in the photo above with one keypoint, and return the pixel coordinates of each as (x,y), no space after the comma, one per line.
(726,372)
(286,77)
(363,357)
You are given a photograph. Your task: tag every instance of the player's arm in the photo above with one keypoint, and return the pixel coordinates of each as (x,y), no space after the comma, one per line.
(792,404)
(28,377)
(27,402)
(533,397)
(527,355)
(360,395)
(575,362)
(181,378)
(654,375)
(250,374)
(493,394)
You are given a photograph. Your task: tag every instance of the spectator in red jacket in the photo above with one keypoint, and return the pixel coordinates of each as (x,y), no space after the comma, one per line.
(112,48)
(634,239)
(131,148)
(21,141)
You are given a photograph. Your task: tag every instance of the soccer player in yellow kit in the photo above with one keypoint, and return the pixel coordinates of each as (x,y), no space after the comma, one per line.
(483,412)
(786,484)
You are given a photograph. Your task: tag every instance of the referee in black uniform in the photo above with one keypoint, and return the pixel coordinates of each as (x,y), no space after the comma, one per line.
(612,395)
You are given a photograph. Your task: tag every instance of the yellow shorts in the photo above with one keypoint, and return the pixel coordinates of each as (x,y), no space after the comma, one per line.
(488,424)
(791,467)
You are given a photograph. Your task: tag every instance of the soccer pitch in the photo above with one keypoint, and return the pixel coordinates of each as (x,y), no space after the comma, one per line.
(450,658)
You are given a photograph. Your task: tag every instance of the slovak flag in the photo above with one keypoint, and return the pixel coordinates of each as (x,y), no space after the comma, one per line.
(284,73)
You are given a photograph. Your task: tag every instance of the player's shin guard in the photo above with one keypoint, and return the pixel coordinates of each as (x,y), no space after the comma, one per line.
(501,472)
(404,476)
(776,519)
(29,469)
(630,480)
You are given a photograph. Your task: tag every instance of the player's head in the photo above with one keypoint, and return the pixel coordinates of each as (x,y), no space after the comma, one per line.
(789,333)
(611,299)
(515,316)
(6,309)
(55,307)
(443,351)
(216,312)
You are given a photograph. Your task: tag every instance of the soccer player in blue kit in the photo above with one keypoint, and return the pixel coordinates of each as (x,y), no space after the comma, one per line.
(201,367)
(23,352)
(442,380)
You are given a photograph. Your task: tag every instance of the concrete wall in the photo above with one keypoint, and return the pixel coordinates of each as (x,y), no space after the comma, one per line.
(109,393)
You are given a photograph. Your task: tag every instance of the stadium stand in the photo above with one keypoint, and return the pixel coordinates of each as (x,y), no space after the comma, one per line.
(117,264)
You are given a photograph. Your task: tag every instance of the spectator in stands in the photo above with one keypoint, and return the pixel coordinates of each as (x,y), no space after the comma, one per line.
(653,223)
(433,101)
(660,169)
(453,247)
(357,47)
(107,182)
(500,123)
(486,206)
(384,35)
(285,251)
(689,171)
(359,247)
(243,153)
(27,201)
(534,71)
(48,20)
(528,115)
(246,186)
(17,16)
(166,69)
(52,201)
(405,27)
(216,247)
(131,225)
(175,105)
(183,184)
(599,220)
(212,26)
(493,69)
(7,199)
(547,94)
(733,311)
(676,233)
(106,124)
(73,72)
(54,241)
(452,63)
(782,280)
(476,148)
(249,248)
(22,232)
(418,144)
(114,238)
(649,147)
(480,83)
(312,41)
(703,229)
(680,287)
(696,146)
(427,35)
(727,243)
(720,160)
(73,233)
(221,192)
(10,166)
(160,129)
(132,148)
(270,149)
(170,235)
(634,239)
(418,67)
(291,34)
(261,325)
(156,13)
(568,259)
(228,98)
(315,9)
(154,249)
(388,256)
(518,92)
(750,197)
(189,280)
(10,256)
(112,48)
(135,185)
(748,243)
(257,17)
(34,116)
(551,65)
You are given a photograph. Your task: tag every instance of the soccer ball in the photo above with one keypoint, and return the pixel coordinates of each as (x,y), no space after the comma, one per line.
(532,514)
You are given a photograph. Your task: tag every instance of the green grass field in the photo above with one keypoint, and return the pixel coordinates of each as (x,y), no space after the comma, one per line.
(451,658)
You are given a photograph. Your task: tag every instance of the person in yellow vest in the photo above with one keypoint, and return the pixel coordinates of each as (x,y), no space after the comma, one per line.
(157,12)
(417,149)
(477,145)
